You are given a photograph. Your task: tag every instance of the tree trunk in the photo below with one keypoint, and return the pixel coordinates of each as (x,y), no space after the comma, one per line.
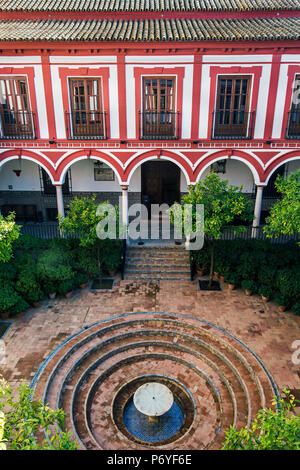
(98,260)
(212,259)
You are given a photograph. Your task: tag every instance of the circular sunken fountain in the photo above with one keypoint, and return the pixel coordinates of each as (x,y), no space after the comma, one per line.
(153,399)
(216,381)
(153,424)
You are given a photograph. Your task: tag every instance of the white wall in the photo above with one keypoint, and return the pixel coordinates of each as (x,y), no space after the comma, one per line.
(293,166)
(237,174)
(29,179)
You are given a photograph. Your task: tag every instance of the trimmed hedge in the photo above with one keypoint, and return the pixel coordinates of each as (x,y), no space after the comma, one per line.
(273,270)
(41,267)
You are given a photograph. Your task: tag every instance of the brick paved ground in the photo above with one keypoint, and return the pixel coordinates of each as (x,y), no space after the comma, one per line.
(261,326)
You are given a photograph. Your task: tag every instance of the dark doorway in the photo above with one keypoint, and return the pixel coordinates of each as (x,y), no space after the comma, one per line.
(160,183)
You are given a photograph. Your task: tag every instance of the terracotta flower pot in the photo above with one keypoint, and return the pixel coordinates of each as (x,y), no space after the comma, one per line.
(222,279)
(248,292)
(264,299)
(36,304)
(200,271)
(281,308)
(69,294)
(52,295)
(216,275)
(231,286)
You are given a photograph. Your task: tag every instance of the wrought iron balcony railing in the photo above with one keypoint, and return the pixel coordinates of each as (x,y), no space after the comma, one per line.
(86,125)
(159,125)
(17,124)
(235,124)
(293,124)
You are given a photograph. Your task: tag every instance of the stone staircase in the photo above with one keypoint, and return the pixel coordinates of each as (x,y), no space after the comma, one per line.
(157,263)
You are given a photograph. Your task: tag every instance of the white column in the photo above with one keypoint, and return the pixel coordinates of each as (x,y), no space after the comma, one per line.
(125,207)
(60,200)
(257,210)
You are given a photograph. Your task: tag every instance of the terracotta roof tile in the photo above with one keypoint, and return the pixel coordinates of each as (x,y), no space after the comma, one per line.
(150,29)
(147,5)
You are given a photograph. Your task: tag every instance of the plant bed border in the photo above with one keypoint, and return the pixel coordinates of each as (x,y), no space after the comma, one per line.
(99,288)
(215,283)
(9,323)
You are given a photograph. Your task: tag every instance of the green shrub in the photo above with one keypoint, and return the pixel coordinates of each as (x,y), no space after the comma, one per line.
(267,275)
(34,296)
(53,266)
(265,291)
(65,286)
(282,300)
(28,243)
(248,284)
(296,309)
(20,306)
(288,283)
(49,287)
(7,271)
(86,262)
(233,278)
(8,297)
(81,278)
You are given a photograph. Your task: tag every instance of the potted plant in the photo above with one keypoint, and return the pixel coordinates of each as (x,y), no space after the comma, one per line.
(282,302)
(34,297)
(232,280)
(50,289)
(265,292)
(296,309)
(82,280)
(66,288)
(249,286)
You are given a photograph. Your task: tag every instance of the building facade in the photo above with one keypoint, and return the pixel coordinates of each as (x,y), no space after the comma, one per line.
(141,99)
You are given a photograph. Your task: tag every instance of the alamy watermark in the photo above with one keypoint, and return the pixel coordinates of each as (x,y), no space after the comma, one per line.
(186,221)
(296,354)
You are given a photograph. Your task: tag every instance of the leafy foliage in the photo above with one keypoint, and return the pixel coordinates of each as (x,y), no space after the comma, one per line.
(25,419)
(9,232)
(276,428)
(224,206)
(274,269)
(285,213)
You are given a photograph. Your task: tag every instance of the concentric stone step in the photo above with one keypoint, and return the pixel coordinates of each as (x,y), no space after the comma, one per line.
(85,376)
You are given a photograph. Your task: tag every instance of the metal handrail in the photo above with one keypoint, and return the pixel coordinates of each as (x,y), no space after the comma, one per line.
(163,125)
(86,125)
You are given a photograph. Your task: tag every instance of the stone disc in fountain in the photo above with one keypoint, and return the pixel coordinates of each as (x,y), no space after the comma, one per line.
(153,399)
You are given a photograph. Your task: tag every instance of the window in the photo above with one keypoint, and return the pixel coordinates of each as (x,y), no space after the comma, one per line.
(231,118)
(16,116)
(293,128)
(219,166)
(23,212)
(48,188)
(103,172)
(87,116)
(158,117)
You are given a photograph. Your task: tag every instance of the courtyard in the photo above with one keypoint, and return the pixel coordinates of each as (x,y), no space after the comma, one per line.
(266,331)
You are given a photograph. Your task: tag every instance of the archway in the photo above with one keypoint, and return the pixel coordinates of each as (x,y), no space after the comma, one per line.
(160,182)
(23,184)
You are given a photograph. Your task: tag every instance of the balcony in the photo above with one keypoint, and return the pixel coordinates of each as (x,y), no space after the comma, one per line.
(236,124)
(293,124)
(17,124)
(162,125)
(82,125)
